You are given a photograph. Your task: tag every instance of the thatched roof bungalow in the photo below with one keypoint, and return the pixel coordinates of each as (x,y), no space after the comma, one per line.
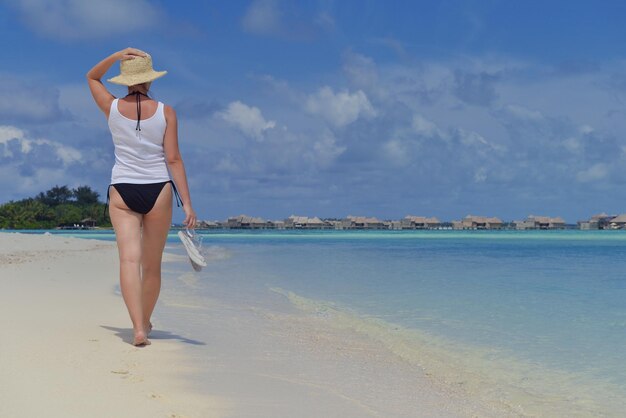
(619,222)
(540,222)
(419,222)
(363,222)
(477,222)
(304,222)
(278,224)
(88,222)
(600,221)
(247,222)
(208,225)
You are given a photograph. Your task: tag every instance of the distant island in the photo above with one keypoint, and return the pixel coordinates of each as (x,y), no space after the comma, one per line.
(59,207)
(80,208)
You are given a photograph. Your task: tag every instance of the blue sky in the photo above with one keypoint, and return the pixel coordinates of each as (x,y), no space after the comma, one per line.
(330,108)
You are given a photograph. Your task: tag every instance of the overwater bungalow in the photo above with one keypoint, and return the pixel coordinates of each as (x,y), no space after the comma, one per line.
(477,222)
(278,224)
(419,222)
(247,222)
(395,225)
(304,222)
(208,225)
(335,224)
(600,221)
(619,222)
(540,222)
(362,222)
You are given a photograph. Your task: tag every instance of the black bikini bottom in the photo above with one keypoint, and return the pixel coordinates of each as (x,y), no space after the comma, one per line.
(141,198)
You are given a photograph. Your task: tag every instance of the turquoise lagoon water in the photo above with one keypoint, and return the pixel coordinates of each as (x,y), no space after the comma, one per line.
(543,312)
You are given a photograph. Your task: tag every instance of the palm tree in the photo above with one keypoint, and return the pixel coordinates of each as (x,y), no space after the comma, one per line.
(85,196)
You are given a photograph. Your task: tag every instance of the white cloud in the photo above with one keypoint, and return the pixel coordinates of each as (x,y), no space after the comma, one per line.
(67,154)
(480,175)
(428,129)
(340,109)
(425,127)
(393,44)
(361,70)
(16,186)
(80,19)
(326,150)
(595,172)
(572,144)
(226,165)
(29,165)
(586,129)
(325,20)
(40,104)
(262,17)
(290,21)
(397,151)
(475,88)
(523,113)
(247,118)
(8,134)
(471,138)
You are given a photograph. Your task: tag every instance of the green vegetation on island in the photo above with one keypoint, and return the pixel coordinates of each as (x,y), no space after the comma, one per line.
(57,207)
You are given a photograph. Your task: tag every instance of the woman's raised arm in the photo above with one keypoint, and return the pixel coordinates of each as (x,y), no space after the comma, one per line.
(100,93)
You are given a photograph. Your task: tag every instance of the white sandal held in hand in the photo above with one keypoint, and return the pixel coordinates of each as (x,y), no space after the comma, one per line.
(193,251)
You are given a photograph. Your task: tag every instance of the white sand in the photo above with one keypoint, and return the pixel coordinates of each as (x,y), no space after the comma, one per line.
(65,352)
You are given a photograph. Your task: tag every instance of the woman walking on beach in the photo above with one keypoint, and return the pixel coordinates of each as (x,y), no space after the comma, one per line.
(145,136)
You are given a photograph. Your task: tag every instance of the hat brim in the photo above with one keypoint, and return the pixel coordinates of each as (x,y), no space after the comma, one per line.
(132,80)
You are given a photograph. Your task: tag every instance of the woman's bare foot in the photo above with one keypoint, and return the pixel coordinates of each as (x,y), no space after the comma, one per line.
(141,339)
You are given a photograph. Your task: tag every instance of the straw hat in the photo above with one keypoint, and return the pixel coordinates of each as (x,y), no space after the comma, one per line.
(137,70)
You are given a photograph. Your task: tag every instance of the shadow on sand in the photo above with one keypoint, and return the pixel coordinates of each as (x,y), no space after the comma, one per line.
(126,334)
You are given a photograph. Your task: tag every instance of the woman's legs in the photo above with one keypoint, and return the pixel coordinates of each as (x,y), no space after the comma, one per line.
(156,225)
(127,225)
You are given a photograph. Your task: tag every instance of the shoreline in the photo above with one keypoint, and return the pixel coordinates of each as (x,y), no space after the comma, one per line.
(490,379)
(266,357)
(176,227)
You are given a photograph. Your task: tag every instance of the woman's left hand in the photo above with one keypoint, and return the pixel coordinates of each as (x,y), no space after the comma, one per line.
(190,217)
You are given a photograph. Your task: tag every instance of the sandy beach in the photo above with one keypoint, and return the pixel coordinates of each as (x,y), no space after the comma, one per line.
(66,351)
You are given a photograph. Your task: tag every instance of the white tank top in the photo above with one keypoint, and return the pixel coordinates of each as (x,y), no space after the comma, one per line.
(139,155)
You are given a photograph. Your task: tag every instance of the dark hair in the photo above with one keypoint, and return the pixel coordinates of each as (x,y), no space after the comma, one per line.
(142,86)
